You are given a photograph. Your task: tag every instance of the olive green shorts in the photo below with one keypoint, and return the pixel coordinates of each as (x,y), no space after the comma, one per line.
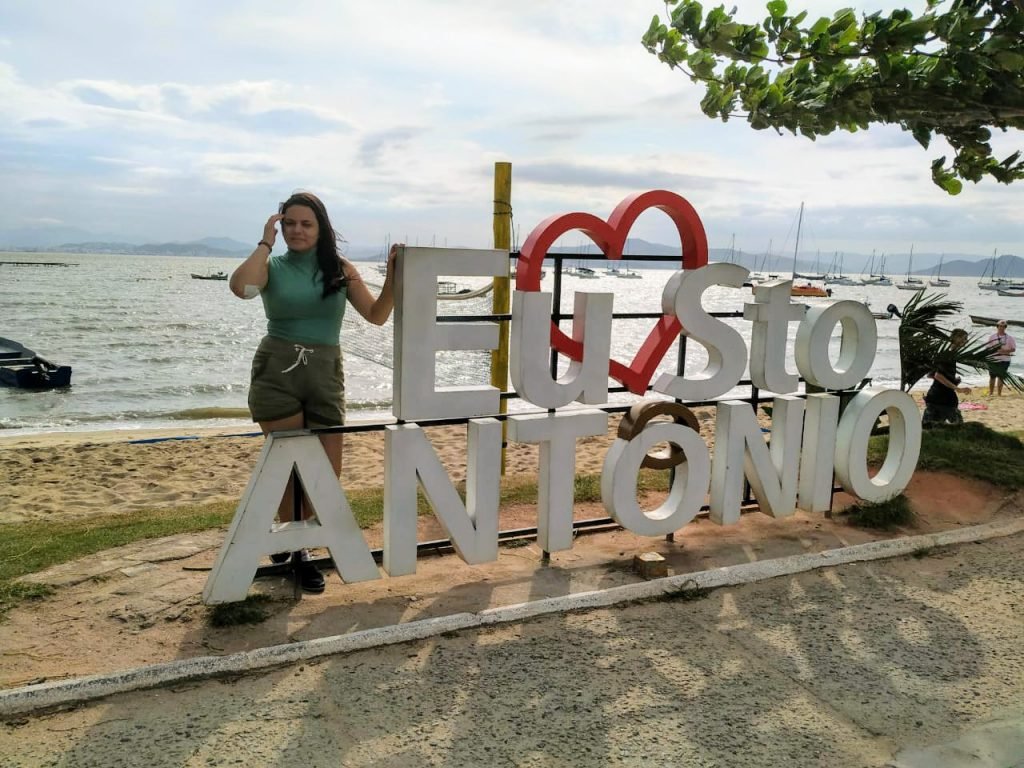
(289,378)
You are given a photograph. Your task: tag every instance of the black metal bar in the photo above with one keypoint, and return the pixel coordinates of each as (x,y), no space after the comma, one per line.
(556,311)
(440,546)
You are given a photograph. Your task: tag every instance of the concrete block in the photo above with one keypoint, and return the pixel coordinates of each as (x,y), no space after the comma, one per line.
(650,565)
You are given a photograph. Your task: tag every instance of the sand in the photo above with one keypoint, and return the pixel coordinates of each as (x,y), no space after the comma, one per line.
(76,475)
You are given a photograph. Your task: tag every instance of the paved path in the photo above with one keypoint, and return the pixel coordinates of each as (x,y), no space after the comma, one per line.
(911,662)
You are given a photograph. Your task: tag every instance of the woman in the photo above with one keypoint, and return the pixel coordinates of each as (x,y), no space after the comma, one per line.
(1004,346)
(941,404)
(297,379)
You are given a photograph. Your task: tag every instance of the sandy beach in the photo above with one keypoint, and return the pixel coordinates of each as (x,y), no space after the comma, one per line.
(75,475)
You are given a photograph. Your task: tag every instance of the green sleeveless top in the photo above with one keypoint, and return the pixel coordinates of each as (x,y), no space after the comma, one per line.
(293,304)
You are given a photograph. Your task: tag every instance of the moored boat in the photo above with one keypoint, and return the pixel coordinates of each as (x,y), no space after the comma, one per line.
(21,367)
(809,290)
(983,320)
(218,275)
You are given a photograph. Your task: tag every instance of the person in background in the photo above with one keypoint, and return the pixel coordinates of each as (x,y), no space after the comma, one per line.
(297,379)
(1004,346)
(941,404)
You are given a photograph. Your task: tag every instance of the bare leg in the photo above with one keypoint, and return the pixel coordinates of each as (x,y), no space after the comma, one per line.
(332,447)
(285,511)
(991,385)
(999,386)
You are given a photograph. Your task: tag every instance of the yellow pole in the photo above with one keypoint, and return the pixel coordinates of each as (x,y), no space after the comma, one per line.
(501,303)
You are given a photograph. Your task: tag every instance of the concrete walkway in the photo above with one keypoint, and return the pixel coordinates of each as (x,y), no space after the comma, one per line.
(909,662)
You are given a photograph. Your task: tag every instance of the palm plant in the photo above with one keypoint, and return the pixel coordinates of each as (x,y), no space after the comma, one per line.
(923,341)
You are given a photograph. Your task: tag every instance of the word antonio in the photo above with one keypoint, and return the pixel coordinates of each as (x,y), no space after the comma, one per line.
(810,441)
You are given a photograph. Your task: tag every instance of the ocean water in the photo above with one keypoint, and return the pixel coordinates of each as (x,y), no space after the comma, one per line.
(153,348)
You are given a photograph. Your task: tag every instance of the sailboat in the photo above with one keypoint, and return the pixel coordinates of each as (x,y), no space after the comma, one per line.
(879,278)
(815,275)
(992,284)
(1000,283)
(839,278)
(939,281)
(911,283)
(806,289)
(382,259)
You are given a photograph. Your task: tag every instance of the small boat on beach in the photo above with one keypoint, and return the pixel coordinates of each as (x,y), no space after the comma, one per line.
(991,321)
(218,275)
(21,367)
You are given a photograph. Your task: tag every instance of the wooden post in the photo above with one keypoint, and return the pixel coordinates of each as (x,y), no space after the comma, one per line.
(501,295)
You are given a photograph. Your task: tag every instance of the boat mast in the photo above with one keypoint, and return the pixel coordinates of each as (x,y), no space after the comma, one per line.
(796,247)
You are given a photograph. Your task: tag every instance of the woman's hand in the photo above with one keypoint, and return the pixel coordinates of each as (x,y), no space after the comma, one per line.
(270,230)
(392,255)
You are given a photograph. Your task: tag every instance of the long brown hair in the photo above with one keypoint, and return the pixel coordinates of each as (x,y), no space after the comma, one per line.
(327,255)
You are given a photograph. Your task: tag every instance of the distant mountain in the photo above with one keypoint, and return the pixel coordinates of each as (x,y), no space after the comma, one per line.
(72,240)
(953,265)
(226,244)
(197,248)
(44,237)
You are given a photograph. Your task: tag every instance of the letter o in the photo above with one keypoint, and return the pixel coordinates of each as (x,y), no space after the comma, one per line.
(852,443)
(689,487)
(856,350)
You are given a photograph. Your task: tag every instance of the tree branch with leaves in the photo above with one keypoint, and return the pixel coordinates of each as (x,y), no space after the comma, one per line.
(955,71)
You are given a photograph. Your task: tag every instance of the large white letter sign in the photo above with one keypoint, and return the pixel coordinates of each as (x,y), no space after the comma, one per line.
(740,451)
(530,349)
(254,533)
(689,486)
(856,350)
(473,527)
(556,433)
(852,444)
(817,460)
(419,337)
(727,354)
(771,313)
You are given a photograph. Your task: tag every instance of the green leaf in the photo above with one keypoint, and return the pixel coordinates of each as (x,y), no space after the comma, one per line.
(777,8)
(923,135)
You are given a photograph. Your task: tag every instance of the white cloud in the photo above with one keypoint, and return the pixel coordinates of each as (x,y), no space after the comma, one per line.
(396,113)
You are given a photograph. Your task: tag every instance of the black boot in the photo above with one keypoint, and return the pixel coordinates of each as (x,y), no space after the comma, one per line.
(310,578)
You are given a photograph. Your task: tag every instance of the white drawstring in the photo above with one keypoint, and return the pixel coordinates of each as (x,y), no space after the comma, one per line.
(301,359)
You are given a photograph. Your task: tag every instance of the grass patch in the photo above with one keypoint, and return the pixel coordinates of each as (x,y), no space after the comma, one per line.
(255,609)
(880,515)
(34,546)
(966,450)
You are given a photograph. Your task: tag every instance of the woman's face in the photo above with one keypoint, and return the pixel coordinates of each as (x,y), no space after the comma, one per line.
(300,228)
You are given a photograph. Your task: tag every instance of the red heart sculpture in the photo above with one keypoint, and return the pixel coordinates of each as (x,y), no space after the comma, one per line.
(610,237)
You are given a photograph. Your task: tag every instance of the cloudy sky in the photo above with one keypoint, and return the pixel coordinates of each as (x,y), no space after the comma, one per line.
(177,121)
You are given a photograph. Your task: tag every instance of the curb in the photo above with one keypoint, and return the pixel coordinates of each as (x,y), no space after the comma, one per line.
(30,698)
